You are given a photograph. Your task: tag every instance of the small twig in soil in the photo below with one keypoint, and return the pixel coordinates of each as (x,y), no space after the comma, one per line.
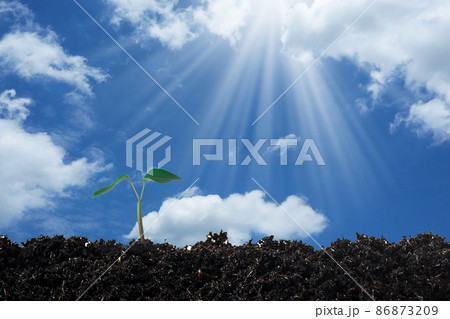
(201,273)
(249,274)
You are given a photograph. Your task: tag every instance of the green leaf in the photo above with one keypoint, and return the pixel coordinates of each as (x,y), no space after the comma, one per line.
(161,176)
(106,189)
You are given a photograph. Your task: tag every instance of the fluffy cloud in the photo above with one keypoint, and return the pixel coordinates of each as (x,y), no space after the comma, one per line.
(34,55)
(396,37)
(173,26)
(13,108)
(224,18)
(14,9)
(33,170)
(432,117)
(155,19)
(31,51)
(241,215)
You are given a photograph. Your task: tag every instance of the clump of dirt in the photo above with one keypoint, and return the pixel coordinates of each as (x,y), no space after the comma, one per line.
(56,268)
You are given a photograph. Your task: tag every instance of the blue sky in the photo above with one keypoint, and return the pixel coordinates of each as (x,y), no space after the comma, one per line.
(377,105)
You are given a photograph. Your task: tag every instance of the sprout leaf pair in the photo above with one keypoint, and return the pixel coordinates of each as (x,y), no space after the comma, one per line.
(158,175)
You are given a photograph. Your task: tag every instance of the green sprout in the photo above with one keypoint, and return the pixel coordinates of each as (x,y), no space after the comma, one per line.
(158,175)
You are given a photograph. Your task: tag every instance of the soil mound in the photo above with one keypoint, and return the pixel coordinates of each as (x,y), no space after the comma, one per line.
(56,268)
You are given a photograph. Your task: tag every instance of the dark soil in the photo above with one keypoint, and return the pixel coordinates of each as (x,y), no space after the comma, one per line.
(62,269)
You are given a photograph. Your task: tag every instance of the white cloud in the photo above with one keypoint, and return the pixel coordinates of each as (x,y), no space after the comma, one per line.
(137,10)
(193,191)
(15,9)
(31,51)
(173,32)
(33,55)
(155,19)
(406,36)
(190,219)
(13,108)
(174,26)
(33,171)
(224,18)
(432,117)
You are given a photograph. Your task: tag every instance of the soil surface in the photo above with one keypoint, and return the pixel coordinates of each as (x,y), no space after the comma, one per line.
(56,268)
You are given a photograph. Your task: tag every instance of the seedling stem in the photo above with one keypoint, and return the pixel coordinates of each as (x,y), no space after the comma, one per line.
(158,175)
